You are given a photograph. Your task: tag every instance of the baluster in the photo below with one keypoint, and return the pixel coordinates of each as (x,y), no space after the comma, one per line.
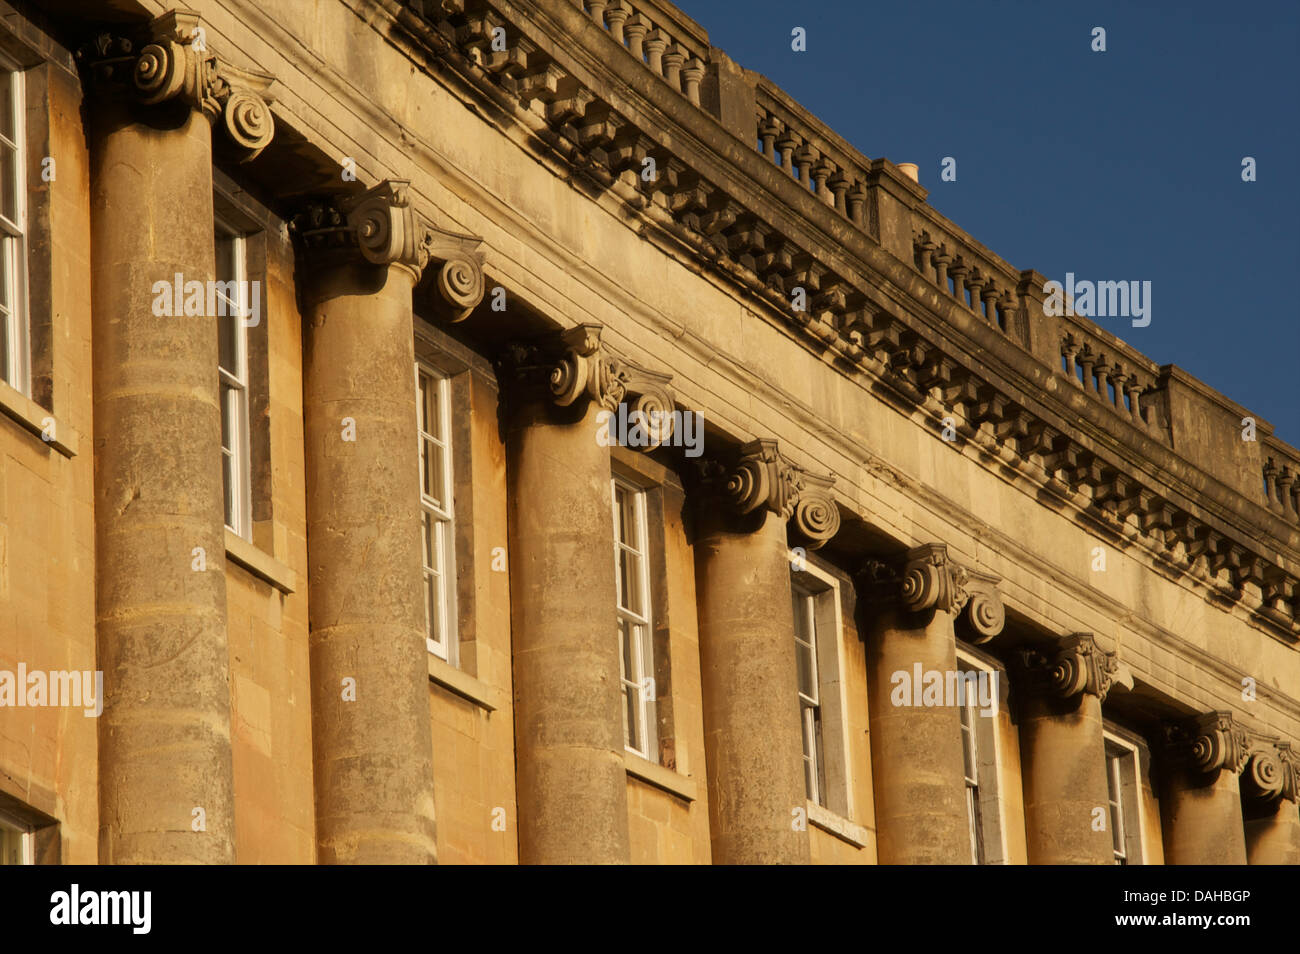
(673,61)
(1088,359)
(975,282)
(655,44)
(958,272)
(990,296)
(820,173)
(858,205)
(941,262)
(1270,484)
(636,29)
(691,76)
(785,145)
(1285,480)
(1069,348)
(803,158)
(617,15)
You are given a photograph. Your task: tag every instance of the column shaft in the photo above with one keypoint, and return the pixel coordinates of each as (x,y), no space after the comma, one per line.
(1274,838)
(918,773)
(571,779)
(1201,818)
(165,757)
(1063,760)
(372,748)
(752,738)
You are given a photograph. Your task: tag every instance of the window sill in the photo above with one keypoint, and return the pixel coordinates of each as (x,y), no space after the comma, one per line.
(674,783)
(34,418)
(464,685)
(261,565)
(837,825)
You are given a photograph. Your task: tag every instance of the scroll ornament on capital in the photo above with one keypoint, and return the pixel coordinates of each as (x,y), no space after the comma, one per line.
(1272,772)
(1209,742)
(169,62)
(382,227)
(763,477)
(1076,665)
(928,579)
(573,366)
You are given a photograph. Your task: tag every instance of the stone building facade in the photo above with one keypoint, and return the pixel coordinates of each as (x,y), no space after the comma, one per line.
(326,329)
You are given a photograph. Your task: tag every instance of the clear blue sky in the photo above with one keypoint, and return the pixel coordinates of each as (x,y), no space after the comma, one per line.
(1119,165)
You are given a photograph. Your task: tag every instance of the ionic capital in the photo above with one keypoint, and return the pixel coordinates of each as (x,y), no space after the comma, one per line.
(574,366)
(762,478)
(1272,773)
(381,227)
(928,579)
(1209,742)
(1075,666)
(169,62)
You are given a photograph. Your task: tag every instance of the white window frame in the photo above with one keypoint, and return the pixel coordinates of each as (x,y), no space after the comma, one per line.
(834,771)
(26,833)
(1125,780)
(637,687)
(13,256)
(234,393)
(810,714)
(441,518)
(981,749)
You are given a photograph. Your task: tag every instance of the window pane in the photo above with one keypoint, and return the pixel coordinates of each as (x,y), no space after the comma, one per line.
(225,249)
(433,606)
(228,485)
(229,417)
(433,464)
(9,184)
(9,254)
(7,117)
(5,374)
(807,670)
(629,581)
(429,401)
(625,518)
(228,341)
(628,644)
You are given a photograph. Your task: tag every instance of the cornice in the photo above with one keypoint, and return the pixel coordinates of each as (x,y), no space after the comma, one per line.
(926,578)
(380,226)
(939,356)
(167,62)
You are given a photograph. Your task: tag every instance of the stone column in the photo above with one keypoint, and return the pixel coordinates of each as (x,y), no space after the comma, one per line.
(1269,788)
(1200,806)
(752,735)
(165,776)
(371,736)
(571,782)
(917,766)
(1063,751)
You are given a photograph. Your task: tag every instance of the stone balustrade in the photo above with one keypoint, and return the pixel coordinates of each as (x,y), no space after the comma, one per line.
(978,281)
(1281,468)
(660,36)
(1118,376)
(833,171)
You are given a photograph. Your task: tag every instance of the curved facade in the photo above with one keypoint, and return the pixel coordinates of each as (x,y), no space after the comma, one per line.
(449,431)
